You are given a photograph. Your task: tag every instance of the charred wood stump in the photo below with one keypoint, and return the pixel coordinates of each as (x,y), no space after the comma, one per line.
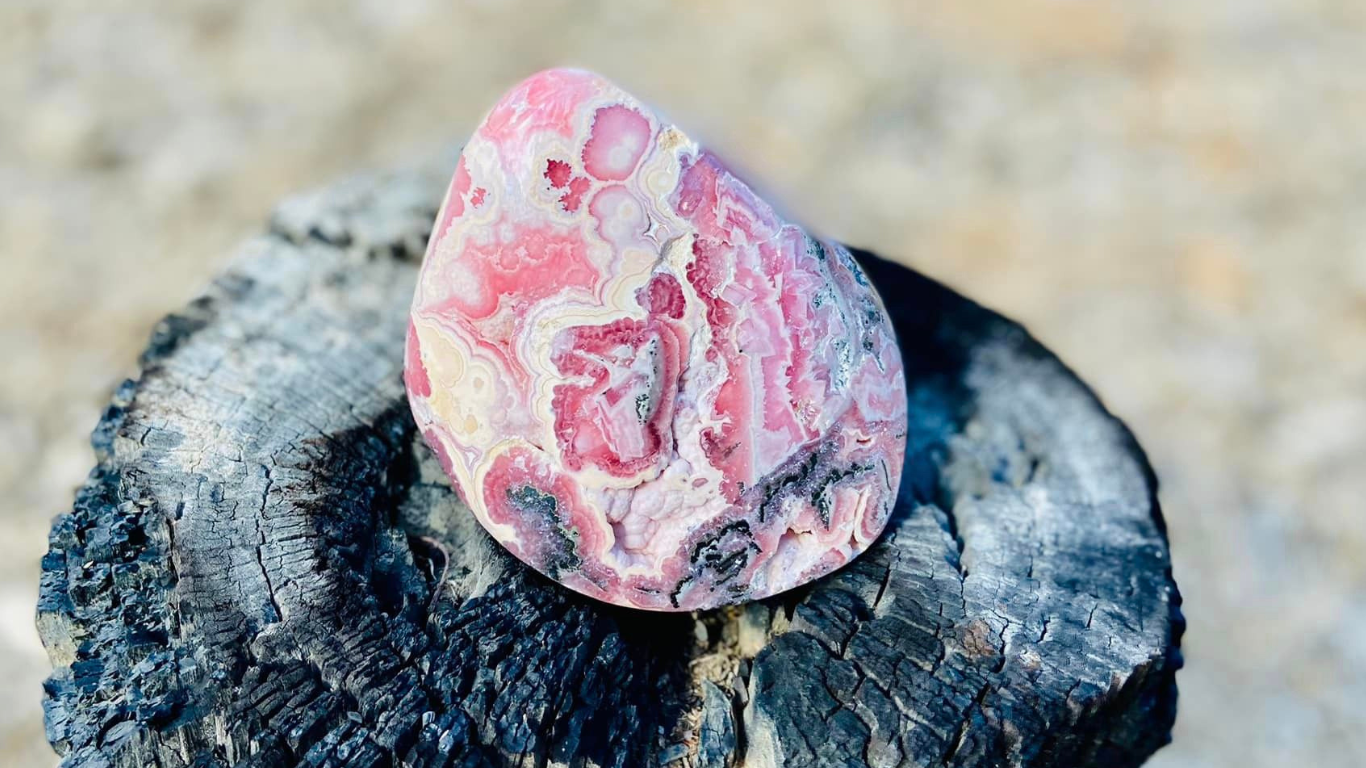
(267,567)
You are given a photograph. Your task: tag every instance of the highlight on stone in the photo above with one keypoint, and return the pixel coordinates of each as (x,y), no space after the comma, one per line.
(643,381)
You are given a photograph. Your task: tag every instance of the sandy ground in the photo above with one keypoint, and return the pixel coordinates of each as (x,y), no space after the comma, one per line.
(1170,194)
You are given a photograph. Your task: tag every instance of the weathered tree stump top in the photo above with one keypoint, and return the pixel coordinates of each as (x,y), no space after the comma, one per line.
(267,568)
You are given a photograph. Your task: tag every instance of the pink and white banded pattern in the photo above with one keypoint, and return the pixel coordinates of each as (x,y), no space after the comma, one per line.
(644,382)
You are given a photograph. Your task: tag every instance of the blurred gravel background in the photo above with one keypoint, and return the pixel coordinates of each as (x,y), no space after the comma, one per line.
(1172,195)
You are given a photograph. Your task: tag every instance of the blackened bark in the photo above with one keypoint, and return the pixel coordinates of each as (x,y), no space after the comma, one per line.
(267,568)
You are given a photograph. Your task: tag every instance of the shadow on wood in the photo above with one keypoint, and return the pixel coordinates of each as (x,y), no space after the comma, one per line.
(267,568)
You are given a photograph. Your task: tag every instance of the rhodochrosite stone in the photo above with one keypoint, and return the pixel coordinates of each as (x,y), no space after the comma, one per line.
(644,382)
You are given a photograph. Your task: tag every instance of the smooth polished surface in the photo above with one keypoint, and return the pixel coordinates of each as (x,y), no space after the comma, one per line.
(645,382)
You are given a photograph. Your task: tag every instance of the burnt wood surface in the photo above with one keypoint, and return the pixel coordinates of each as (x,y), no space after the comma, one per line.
(267,568)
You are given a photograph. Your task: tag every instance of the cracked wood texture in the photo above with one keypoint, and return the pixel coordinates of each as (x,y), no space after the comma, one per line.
(267,568)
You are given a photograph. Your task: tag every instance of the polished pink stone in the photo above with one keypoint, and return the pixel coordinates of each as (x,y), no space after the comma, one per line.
(645,383)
